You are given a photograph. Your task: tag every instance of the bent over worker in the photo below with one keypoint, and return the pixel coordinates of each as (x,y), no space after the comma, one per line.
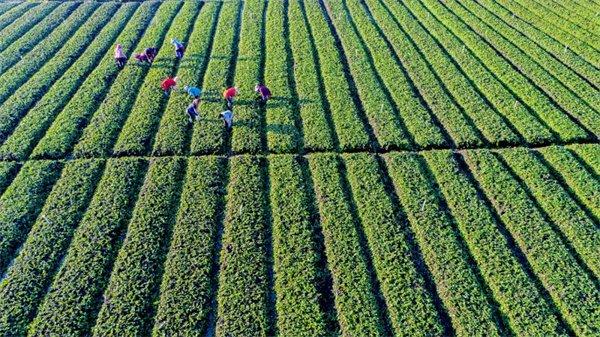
(264,94)
(150,54)
(228,95)
(170,83)
(192,91)
(120,57)
(227,117)
(179,48)
(192,111)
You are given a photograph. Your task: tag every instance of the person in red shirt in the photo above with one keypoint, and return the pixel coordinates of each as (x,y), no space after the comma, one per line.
(228,95)
(170,83)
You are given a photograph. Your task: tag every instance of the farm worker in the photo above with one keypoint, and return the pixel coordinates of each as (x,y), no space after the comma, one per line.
(168,84)
(264,94)
(192,111)
(179,48)
(228,95)
(227,117)
(142,58)
(120,57)
(150,53)
(192,91)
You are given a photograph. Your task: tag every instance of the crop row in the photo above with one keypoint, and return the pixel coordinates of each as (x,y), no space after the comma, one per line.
(6,6)
(246,135)
(137,135)
(243,296)
(528,125)
(209,135)
(521,60)
(21,25)
(573,13)
(101,133)
(579,180)
(493,252)
(173,136)
(318,130)
(21,203)
(566,129)
(561,209)
(566,39)
(283,130)
(17,105)
(381,113)
(489,122)
(356,305)
(129,299)
(590,154)
(458,125)
(74,297)
(572,290)
(7,174)
(563,22)
(23,287)
(349,126)
(80,86)
(93,15)
(546,42)
(566,76)
(13,13)
(294,251)
(191,262)
(29,40)
(459,287)
(407,296)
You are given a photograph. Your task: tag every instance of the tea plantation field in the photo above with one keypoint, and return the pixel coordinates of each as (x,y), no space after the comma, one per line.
(424,168)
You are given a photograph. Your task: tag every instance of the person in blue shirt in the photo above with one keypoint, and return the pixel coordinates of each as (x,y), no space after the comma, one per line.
(227,117)
(192,91)
(192,111)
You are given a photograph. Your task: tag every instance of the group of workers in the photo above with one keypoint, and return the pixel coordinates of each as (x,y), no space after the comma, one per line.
(170,83)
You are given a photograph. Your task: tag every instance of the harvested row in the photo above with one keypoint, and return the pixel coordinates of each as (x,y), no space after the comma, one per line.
(527,124)
(570,287)
(356,305)
(283,130)
(129,299)
(562,73)
(8,170)
(544,41)
(137,134)
(173,136)
(560,23)
(294,250)
(23,24)
(247,134)
(590,154)
(411,307)
(582,182)
(244,281)
(100,135)
(23,287)
(489,123)
(458,285)
(28,41)
(351,131)
(494,253)
(209,135)
(15,12)
(459,126)
(566,129)
(561,95)
(563,211)
(381,113)
(68,94)
(88,16)
(74,297)
(566,39)
(21,203)
(319,134)
(191,260)
(17,105)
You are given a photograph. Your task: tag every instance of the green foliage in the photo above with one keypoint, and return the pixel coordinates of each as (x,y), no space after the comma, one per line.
(24,285)
(590,154)
(571,289)
(16,11)
(191,261)
(21,25)
(73,298)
